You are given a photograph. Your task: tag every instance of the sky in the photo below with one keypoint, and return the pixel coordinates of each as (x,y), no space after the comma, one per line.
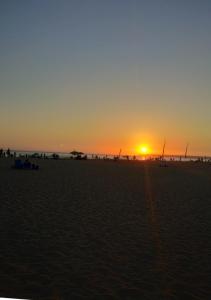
(97,76)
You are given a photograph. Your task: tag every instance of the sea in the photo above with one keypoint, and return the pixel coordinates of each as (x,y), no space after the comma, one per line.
(68,155)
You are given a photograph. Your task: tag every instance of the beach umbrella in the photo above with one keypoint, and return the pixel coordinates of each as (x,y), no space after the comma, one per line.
(74,153)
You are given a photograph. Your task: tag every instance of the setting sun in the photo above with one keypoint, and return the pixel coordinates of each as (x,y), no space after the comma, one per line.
(143,149)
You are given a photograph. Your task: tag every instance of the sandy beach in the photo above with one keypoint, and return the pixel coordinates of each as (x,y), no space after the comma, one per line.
(105,230)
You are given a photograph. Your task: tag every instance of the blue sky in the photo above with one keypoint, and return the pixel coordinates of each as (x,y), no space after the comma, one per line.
(101,74)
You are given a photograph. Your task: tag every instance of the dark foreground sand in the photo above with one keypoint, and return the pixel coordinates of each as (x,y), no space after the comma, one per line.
(105,230)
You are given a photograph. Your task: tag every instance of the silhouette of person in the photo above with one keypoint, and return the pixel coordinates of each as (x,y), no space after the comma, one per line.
(8,152)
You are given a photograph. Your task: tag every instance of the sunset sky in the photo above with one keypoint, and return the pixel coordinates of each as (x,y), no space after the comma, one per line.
(100,75)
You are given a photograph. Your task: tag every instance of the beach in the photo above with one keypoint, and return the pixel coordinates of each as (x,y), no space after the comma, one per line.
(105,230)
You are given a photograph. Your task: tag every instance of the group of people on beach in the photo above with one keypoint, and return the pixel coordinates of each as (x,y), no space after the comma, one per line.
(81,156)
(26,165)
(6,153)
(18,163)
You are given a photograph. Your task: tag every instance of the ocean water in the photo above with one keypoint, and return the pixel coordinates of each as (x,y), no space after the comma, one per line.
(66,155)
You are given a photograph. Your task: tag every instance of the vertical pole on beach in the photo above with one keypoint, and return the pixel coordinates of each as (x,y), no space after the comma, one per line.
(120,152)
(164,145)
(186,150)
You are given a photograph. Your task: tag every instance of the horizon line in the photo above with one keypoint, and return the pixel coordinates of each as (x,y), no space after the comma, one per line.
(110,154)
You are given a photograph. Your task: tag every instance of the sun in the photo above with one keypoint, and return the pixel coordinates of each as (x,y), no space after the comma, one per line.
(143,149)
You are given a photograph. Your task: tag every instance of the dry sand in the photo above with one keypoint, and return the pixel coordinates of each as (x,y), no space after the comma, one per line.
(105,230)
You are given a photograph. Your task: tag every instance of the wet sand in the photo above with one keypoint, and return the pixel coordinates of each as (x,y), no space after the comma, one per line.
(105,230)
